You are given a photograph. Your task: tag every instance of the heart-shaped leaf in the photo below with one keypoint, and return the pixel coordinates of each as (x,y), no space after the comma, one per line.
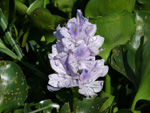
(116,28)
(96,8)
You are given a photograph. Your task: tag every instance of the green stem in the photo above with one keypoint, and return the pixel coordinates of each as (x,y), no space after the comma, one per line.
(108,84)
(44,3)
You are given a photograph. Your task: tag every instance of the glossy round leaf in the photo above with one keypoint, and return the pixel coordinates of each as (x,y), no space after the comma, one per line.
(116,28)
(44,20)
(96,8)
(13,86)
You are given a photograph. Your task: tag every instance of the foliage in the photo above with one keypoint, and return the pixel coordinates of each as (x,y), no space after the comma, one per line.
(26,37)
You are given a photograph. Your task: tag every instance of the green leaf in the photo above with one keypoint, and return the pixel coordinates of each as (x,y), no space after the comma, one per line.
(123,56)
(23,1)
(120,61)
(96,8)
(49,38)
(44,20)
(143,7)
(65,108)
(108,102)
(64,5)
(25,36)
(30,1)
(142,72)
(36,4)
(64,95)
(27,108)
(116,28)
(93,105)
(7,51)
(15,46)
(8,9)
(13,86)
(45,106)
(21,8)
(142,26)
(18,111)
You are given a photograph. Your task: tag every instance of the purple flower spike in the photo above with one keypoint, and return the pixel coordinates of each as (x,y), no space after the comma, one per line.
(73,57)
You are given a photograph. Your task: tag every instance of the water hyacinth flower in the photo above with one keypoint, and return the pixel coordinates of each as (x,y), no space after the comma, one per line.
(73,57)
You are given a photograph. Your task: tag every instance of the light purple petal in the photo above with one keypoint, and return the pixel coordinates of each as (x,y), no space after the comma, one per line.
(70,22)
(57,33)
(90,89)
(72,63)
(86,65)
(68,44)
(91,30)
(99,70)
(85,75)
(56,63)
(54,52)
(64,32)
(60,55)
(80,51)
(61,81)
(57,66)
(80,18)
(95,43)
(51,88)
(74,30)
(72,26)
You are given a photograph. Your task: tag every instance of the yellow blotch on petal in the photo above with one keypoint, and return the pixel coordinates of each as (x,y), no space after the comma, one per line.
(74,29)
(79,50)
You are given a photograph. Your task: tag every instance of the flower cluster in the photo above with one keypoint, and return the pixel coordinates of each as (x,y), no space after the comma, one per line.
(73,57)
